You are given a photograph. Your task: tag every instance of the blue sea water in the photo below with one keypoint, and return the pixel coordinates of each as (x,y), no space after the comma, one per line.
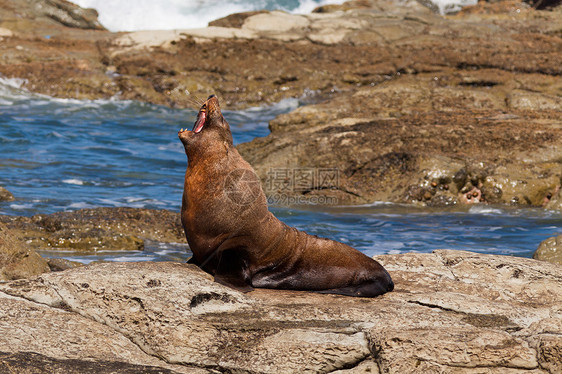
(59,155)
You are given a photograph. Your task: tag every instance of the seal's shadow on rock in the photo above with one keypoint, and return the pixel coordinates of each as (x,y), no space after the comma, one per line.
(234,237)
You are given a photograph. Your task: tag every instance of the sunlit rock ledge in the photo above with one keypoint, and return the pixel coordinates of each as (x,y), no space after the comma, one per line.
(324,28)
(451,311)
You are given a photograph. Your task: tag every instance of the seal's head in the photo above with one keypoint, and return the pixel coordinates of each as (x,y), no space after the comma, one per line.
(209,130)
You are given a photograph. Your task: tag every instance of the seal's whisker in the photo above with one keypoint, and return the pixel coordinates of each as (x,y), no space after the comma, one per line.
(201,101)
(193,104)
(194,100)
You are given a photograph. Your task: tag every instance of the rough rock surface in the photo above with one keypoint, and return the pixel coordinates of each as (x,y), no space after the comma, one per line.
(430,142)
(17,261)
(32,16)
(254,59)
(451,311)
(550,250)
(97,229)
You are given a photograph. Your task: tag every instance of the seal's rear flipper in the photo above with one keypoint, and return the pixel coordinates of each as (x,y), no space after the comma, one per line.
(235,283)
(367,289)
(346,291)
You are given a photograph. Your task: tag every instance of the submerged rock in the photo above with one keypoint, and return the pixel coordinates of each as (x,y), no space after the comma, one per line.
(6,195)
(17,261)
(550,250)
(451,311)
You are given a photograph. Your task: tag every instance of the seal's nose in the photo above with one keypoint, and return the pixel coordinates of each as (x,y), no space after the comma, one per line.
(212,106)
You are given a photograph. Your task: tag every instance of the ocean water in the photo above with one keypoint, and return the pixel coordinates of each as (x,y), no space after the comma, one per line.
(60,155)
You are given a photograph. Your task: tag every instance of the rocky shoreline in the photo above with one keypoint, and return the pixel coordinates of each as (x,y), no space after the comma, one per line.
(451,311)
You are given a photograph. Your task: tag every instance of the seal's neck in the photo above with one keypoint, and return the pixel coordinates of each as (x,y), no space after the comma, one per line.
(209,153)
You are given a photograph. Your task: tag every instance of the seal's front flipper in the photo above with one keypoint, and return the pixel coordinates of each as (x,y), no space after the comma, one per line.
(193,261)
(231,271)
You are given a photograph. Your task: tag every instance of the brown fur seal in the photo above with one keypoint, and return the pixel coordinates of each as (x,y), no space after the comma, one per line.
(234,237)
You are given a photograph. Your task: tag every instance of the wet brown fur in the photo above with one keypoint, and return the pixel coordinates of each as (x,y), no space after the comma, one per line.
(241,243)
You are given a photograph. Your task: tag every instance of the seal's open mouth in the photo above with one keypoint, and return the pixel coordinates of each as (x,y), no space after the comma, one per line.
(201,117)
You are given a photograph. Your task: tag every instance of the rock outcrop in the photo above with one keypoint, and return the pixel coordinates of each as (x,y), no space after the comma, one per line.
(32,16)
(451,311)
(550,250)
(424,140)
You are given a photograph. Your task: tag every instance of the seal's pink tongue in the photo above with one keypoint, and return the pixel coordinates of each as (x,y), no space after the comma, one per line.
(200,122)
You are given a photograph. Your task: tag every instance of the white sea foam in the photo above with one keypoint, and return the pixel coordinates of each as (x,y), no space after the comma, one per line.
(484,209)
(11,90)
(57,134)
(21,206)
(132,258)
(81,260)
(451,6)
(285,105)
(394,252)
(81,206)
(12,82)
(119,15)
(77,182)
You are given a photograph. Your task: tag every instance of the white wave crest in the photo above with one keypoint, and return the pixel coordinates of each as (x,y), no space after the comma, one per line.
(484,209)
(12,82)
(119,15)
(77,182)
(11,90)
